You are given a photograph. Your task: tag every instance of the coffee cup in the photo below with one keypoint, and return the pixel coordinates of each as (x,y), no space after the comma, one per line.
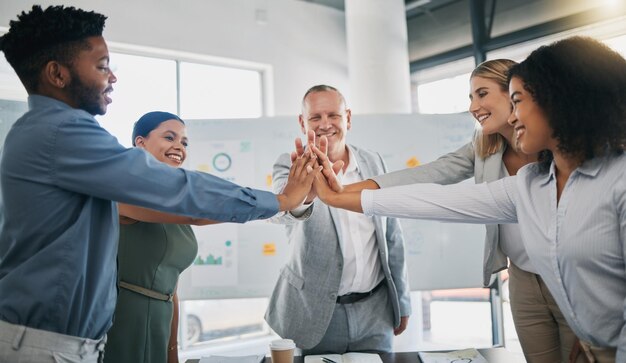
(282,350)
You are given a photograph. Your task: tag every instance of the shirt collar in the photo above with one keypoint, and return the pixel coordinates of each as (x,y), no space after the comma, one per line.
(589,167)
(550,175)
(592,167)
(36,101)
(353,165)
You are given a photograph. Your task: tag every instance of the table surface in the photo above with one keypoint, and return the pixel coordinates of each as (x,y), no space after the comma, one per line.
(492,355)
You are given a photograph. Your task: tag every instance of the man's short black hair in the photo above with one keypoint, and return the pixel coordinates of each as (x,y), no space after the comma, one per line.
(40,36)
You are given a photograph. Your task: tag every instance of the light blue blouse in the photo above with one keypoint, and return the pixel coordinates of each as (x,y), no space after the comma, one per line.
(577,245)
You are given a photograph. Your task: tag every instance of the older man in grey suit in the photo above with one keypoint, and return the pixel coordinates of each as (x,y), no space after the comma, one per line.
(345,285)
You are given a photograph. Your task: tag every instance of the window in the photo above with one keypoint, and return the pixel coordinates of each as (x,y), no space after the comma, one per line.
(12,98)
(618,44)
(143,84)
(455,319)
(194,90)
(444,88)
(208,91)
(10,86)
(458,318)
(449,95)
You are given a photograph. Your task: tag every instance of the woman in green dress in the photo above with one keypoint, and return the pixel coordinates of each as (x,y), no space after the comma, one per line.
(154,248)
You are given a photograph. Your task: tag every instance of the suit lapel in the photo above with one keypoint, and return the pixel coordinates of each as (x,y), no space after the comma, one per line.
(334,215)
(365,169)
(491,168)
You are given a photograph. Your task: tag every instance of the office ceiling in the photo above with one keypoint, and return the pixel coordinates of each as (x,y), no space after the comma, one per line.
(441,30)
(414,7)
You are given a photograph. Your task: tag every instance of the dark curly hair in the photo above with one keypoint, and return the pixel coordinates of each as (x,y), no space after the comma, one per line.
(580,84)
(40,36)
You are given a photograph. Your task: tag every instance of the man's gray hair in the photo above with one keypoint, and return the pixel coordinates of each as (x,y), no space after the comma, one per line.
(323,88)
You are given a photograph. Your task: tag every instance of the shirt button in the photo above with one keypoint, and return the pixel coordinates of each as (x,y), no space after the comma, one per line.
(333,296)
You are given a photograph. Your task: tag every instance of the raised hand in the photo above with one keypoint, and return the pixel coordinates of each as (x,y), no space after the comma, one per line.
(323,190)
(300,148)
(331,169)
(346,199)
(303,171)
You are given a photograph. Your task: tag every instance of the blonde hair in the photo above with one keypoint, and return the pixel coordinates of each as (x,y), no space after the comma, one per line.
(496,70)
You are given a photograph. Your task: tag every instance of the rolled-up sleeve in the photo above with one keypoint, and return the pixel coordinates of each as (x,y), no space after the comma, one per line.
(90,161)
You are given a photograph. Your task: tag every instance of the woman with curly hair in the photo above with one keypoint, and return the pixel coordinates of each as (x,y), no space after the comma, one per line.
(570,107)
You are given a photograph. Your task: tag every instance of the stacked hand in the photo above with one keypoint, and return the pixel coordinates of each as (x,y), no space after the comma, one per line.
(327,182)
(303,172)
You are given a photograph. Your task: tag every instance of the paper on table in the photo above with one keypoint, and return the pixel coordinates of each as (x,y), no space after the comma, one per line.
(458,356)
(345,358)
(243,359)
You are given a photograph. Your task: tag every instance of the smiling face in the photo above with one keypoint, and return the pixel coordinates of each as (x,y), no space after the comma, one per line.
(490,106)
(168,142)
(325,113)
(91,78)
(533,132)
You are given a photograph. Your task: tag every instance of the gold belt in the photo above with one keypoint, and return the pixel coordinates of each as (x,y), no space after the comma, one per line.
(146,292)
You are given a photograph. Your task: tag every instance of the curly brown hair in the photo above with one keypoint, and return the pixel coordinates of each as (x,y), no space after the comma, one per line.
(580,84)
(40,36)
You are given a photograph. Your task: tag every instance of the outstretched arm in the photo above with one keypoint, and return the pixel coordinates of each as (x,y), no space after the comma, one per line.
(345,200)
(136,213)
(486,203)
(448,169)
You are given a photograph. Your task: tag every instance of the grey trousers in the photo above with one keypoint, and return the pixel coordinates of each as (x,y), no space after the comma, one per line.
(22,344)
(365,326)
(543,333)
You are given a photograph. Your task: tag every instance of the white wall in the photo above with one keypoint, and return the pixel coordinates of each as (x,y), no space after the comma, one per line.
(304,43)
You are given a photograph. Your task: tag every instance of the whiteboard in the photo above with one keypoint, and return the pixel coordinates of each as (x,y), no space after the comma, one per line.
(237,261)
(10,111)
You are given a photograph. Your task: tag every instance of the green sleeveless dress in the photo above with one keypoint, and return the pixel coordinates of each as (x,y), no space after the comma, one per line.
(152,256)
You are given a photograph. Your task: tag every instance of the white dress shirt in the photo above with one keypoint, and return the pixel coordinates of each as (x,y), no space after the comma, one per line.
(577,245)
(361,267)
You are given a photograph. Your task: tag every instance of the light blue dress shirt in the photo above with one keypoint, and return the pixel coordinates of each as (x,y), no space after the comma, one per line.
(59,173)
(578,245)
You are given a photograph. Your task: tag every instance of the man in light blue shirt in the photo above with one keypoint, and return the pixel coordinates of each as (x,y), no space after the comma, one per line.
(59,175)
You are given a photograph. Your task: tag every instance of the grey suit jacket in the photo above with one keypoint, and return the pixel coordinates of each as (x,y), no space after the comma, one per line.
(303,300)
(453,168)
